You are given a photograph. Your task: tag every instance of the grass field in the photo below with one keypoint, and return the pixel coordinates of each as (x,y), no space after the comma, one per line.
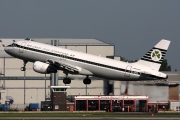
(64,114)
(83,115)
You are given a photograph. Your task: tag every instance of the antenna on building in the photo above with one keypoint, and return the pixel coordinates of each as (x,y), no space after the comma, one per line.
(27,39)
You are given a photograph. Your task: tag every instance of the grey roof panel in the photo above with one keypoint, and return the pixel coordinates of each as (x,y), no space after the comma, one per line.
(68,41)
(62,41)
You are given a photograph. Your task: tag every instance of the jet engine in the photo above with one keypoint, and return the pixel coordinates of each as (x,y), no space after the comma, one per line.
(43,68)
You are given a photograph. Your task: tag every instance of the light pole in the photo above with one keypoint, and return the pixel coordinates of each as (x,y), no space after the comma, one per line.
(45,87)
(86,89)
(24,86)
(4,72)
(3,79)
(3,87)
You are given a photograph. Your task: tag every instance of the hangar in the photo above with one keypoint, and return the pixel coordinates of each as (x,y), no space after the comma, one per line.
(31,87)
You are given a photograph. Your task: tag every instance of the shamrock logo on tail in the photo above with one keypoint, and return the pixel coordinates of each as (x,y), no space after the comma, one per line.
(156,55)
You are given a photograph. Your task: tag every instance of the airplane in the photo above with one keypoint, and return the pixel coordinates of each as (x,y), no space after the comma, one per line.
(49,59)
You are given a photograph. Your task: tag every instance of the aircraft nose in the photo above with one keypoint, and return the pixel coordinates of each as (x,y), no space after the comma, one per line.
(6,49)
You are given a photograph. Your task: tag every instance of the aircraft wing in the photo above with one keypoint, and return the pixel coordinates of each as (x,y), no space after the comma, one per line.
(69,68)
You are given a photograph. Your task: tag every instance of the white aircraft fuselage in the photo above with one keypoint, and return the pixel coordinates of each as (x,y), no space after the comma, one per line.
(82,63)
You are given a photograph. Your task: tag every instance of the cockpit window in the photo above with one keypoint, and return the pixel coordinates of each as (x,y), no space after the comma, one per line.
(14,45)
(11,45)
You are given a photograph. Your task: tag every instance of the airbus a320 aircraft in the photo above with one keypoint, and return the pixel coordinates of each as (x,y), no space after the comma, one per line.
(50,59)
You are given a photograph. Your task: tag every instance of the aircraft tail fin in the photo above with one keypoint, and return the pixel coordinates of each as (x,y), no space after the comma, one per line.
(155,56)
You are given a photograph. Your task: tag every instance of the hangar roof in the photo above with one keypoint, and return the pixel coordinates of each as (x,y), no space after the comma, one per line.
(62,41)
(68,41)
(59,41)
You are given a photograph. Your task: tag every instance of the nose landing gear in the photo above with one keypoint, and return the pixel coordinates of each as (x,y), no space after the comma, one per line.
(24,66)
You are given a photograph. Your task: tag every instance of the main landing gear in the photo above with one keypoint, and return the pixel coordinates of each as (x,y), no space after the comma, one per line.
(87,81)
(24,66)
(66,80)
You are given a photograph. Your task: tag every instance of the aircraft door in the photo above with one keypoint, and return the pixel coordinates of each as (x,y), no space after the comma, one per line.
(128,71)
(21,49)
(63,56)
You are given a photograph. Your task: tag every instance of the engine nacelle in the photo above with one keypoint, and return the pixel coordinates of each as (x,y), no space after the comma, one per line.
(43,68)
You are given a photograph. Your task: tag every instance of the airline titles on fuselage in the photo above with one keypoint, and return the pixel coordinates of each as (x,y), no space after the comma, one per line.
(67,54)
(49,50)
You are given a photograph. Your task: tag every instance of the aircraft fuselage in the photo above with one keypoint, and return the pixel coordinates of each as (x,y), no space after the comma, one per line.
(96,65)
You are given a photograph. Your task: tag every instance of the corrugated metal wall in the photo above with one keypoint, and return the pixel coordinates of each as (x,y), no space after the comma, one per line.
(155,93)
(174,92)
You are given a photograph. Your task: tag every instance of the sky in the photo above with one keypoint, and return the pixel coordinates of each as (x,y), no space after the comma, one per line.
(133,26)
